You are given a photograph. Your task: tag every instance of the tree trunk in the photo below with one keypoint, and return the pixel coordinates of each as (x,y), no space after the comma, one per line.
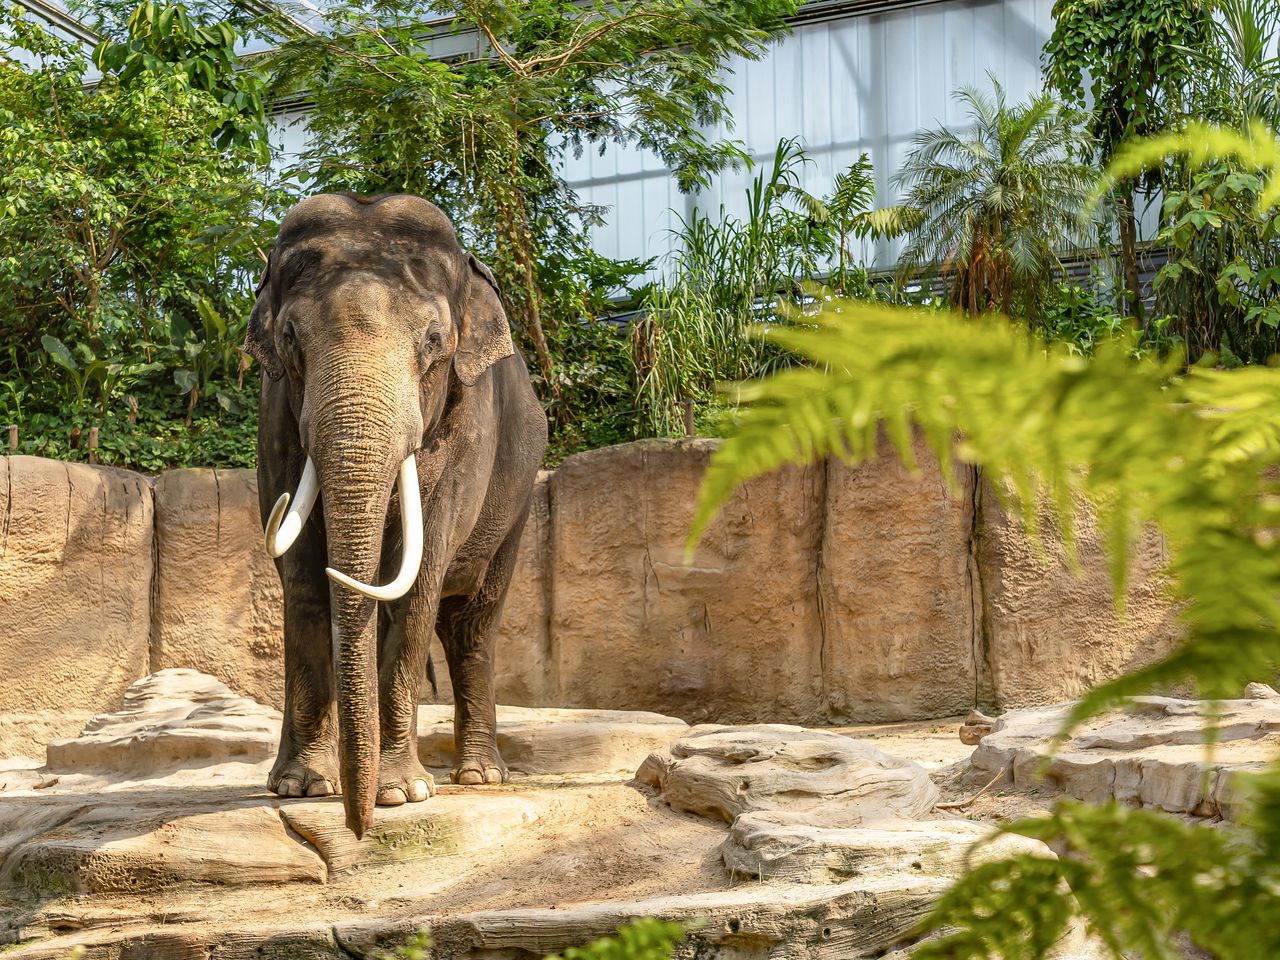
(533,319)
(1132,293)
(519,236)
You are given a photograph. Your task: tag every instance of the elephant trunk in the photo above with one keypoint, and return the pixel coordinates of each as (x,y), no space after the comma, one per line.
(356,462)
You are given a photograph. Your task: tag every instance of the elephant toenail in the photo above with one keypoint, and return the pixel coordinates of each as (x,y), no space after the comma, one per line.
(289,788)
(418,791)
(391,796)
(320,788)
(470,777)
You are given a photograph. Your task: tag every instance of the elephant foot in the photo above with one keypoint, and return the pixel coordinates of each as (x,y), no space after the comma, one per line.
(403,781)
(479,768)
(299,777)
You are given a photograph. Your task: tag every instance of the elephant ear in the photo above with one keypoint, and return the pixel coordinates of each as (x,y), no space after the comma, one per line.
(484,336)
(259,337)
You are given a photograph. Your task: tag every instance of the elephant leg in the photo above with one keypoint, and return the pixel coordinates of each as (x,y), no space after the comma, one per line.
(402,662)
(468,628)
(307,762)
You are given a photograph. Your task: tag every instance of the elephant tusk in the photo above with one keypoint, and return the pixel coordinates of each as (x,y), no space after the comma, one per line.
(411,530)
(282,530)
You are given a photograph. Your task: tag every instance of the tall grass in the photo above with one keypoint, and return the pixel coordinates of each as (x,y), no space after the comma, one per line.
(729,276)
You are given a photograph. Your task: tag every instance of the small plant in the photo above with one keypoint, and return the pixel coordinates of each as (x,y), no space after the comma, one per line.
(646,939)
(1082,319)
(84,370)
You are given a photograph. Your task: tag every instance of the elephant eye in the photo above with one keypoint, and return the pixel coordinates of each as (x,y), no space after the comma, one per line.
(291,354)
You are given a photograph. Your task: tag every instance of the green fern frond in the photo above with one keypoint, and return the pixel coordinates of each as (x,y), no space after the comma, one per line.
(1139,878)
(1186,452)
(1255,146)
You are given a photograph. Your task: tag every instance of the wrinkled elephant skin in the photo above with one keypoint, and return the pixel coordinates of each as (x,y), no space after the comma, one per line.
(390,379)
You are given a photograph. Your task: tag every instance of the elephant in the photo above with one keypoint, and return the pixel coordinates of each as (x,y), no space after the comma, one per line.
(399,440)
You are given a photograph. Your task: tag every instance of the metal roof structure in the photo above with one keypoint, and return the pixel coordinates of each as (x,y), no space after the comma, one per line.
(60,19)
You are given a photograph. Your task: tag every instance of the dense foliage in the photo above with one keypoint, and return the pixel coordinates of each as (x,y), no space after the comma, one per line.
(166,39)
(479,115)
(125,307)
(1220,282)
(1126,62)
(1222,278)
(728,274)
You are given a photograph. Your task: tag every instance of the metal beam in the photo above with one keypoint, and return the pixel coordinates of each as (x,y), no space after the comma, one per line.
(61,20)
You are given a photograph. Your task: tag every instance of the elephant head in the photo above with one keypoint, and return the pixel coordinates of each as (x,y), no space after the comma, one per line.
(369,314)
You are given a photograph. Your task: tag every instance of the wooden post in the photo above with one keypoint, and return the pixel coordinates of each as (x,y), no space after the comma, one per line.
(93,444)
(689,430)
(13,438)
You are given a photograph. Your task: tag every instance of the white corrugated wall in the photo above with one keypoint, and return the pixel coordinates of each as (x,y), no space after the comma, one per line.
(843,87)
(863,83)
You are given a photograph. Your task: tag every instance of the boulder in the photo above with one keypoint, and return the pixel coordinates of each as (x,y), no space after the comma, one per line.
(170,720)
(1052,632)
(976,726)
(815,807)
(782,845)
(556,741)
(218,602)
(736,635)
(899,624)
(1260,691)
(125,848)
(75,578)
(1156,753)
(725,772)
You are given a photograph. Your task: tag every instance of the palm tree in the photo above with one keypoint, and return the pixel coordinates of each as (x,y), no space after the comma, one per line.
(991,208)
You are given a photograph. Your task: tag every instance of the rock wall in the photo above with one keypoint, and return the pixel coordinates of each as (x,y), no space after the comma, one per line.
(1051,632)
(735,634)
(218,602)
(75,589)
(820,594)
(896,584)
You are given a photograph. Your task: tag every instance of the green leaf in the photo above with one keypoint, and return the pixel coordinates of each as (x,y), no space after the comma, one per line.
(58,351)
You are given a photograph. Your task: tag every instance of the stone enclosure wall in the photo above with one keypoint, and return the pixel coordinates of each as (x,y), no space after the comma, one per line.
(823,594)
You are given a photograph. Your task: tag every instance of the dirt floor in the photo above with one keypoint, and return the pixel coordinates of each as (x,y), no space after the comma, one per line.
(589,838)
